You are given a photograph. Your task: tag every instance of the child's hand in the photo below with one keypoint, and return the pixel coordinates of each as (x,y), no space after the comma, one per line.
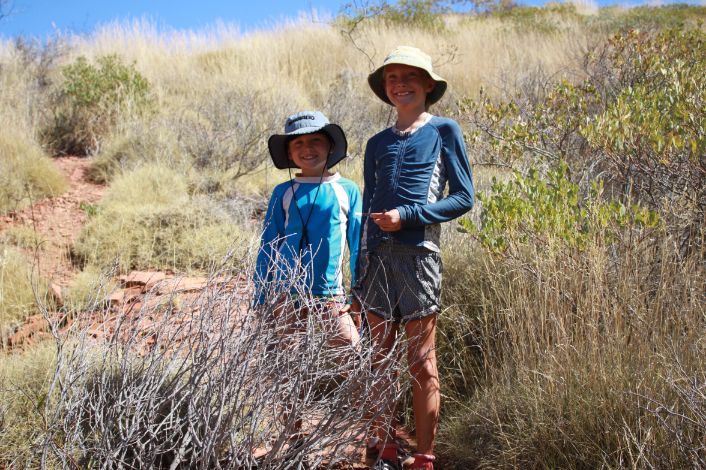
(387,221)
(353,310)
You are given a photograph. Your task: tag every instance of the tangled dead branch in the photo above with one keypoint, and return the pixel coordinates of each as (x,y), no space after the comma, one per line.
(212,382)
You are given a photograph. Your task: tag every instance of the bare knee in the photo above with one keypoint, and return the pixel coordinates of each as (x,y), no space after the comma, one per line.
(422,366)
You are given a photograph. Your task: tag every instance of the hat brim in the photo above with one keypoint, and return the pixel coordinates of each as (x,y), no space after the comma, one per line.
(377,84)
(277,144)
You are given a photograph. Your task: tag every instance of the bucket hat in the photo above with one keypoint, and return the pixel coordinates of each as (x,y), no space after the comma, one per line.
(407,55)
(307,122)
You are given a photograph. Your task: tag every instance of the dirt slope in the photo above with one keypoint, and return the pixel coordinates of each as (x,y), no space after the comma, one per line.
(58,220)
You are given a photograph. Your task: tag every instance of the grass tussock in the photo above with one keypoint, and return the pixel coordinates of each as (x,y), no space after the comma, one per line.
(24,384)
(19,288)
(161,226)
(21,236)
(26,173)
(88,290)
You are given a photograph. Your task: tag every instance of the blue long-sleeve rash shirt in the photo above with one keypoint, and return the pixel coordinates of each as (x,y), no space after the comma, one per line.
(332,220)
(409,171)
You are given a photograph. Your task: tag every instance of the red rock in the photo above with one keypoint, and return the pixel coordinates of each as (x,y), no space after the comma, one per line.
(124,296)
(55,291)
(182,284)
(145,279)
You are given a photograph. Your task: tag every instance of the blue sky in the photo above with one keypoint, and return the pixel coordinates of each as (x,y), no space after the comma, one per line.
(41,18)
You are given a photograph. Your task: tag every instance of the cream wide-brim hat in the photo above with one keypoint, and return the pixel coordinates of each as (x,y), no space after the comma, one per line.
(407,55)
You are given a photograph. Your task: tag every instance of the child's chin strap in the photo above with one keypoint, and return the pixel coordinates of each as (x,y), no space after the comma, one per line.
(304,240)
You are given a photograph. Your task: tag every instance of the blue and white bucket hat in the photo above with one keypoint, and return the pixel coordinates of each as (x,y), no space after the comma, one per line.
(307,122)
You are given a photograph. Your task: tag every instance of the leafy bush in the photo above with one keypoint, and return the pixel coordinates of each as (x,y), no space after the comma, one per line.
(26,174)
(652,135)
(535,210)
(636,123)
(93,100)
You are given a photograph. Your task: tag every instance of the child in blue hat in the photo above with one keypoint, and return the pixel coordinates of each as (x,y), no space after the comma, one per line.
(309,222)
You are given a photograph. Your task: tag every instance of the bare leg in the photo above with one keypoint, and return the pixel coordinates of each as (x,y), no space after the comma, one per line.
(342,331)
(421,358)
(383,334)
(289,331)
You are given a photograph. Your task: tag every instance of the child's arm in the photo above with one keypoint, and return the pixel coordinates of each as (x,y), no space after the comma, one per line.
(368,191)
(273,230)
(368,176)
(353,230)
(460,197)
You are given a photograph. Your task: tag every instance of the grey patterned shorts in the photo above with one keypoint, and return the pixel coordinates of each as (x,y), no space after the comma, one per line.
(400,282)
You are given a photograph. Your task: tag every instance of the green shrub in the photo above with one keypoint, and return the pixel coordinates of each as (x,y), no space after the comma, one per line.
(93,100)
(535,210)
(423,14)
(26,174)
(636,124)
(569,312)
(652,135)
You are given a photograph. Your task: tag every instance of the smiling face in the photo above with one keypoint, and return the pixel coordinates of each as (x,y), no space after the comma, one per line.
(309,153)
(406,86)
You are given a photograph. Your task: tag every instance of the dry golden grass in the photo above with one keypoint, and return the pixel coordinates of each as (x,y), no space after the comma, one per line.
(24,381)
(26,174)
(569,355)
(20,286)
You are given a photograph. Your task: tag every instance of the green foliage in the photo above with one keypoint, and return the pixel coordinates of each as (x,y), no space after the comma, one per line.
(646,18)
(536,210)
(93,99)
(636,125)
(543,127)
(424,14)
(652,135)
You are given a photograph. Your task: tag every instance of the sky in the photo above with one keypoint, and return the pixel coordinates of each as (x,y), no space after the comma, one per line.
(40,18)
(43,18)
